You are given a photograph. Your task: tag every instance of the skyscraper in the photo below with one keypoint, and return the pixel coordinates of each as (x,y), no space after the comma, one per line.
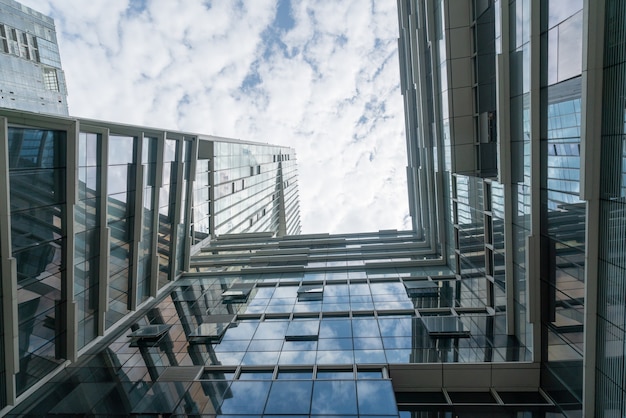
(31,77)
(505,299)
(518,108)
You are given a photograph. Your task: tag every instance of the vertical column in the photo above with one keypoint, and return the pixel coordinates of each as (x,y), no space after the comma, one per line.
(591,162)
(212,190)
(180,172)
(137,225)
(158,183)
(503,102)
(8,274)
(190,200)
(67,285)
(103,283)
(533,242)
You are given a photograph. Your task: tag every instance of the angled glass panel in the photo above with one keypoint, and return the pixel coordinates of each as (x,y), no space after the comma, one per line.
(421,288)
(237,293)
(310,293)
(150,331)
(445,326)
(303,330)
(208,332)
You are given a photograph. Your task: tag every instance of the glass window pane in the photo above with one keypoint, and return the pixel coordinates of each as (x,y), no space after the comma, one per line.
(376,397)
(246,398)
(334,397)
(289,397)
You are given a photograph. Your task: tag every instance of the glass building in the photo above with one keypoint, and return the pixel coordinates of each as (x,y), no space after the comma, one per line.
(518,107)
(156,273)
(31,77)
(100,218)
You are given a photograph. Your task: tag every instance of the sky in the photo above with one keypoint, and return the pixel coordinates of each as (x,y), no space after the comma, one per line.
(320,76)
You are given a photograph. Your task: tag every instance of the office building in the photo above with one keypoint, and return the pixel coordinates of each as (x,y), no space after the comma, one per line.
(31,77)
(505,299)
(98,217)
(524,101)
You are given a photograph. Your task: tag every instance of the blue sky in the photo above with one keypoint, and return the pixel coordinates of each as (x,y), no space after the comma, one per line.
(320,76)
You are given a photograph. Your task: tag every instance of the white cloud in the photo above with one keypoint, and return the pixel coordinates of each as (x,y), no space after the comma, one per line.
(328,87)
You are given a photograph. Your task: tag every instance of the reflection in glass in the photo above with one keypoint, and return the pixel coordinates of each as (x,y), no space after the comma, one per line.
(334,397)
(289,397)
(246,397)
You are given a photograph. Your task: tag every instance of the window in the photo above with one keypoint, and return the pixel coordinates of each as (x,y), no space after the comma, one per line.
(50,80)
(238,293)
(310,293)
(303,330)
(420,288)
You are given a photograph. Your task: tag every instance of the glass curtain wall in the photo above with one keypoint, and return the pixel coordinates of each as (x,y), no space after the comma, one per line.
(252,184)
(610,375)
(167,200)
(562,211)
(519,61)
(37,169)
(120,220)
(442,149)
(182,230)
(146,243)
(201,202)
(87,240)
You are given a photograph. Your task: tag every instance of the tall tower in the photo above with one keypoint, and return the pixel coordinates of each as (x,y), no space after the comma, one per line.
(31,77)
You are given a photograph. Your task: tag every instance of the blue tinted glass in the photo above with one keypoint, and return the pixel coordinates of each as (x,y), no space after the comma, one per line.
(335,344)
(299,345)
(367,343)
(370,356)
(297,357)
(265,345)
(334,397)
(295,374)
(289,397)
(335,374)
(303,328)
(369,374)
(256,375)
(395,326)
(260,357)
(241,331)
(246,398)
(335,357)
(335,328)
(376,397)
(365,327)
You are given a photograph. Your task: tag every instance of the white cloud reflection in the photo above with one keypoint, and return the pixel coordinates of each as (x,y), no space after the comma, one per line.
(320,76)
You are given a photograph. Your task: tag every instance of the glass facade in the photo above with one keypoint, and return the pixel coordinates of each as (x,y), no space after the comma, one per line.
(255,189)
(563,212)
(191,242)
(520,140)
(37,170)
(146,248)
(87,221)
(130,227)
(121,172)
(611,331)
(320,342)
(31,77)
